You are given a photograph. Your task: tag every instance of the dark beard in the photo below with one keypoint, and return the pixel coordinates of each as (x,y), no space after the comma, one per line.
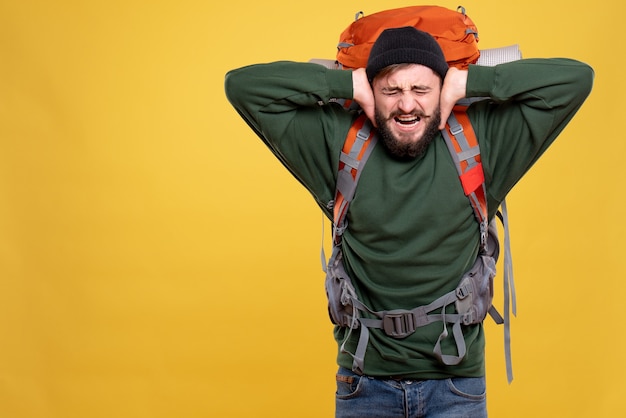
(407,150)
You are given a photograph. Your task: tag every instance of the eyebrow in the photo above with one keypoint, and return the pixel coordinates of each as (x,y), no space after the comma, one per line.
(392,89)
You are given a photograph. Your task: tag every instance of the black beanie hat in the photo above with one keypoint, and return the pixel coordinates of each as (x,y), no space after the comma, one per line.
(405,45)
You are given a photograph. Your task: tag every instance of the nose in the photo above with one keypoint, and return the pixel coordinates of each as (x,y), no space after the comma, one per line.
(407,102)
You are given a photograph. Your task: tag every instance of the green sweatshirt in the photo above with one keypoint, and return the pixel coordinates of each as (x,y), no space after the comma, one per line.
(411,230)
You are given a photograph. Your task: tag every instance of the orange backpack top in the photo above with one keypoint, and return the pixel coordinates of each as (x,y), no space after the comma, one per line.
(455,32)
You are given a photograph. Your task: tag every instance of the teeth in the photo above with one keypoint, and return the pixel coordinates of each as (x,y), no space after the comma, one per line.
(407,119)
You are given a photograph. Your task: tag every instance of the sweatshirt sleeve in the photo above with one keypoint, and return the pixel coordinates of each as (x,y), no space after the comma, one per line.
(529,103)
(279,87)
(292,107)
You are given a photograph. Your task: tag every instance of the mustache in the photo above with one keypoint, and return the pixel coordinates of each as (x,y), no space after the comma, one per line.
(417,114)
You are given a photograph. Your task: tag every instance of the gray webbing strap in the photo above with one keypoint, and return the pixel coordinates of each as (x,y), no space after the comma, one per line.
(397,320)
(448,359)
(510,298)
(467,153)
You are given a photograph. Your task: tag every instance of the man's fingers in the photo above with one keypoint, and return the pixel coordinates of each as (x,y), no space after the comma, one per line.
(445,113)
(445,109)
(453,90)
(369,112)
(362,93)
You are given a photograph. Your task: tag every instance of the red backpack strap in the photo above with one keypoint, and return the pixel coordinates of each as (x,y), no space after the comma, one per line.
(357,147)
(465,151)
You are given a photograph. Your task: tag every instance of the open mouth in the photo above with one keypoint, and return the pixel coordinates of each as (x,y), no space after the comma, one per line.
(409,120)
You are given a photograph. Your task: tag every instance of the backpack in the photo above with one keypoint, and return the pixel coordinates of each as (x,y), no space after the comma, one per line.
(455,32)
(457,35)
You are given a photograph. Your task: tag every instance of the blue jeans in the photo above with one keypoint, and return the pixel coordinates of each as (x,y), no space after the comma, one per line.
(364,396)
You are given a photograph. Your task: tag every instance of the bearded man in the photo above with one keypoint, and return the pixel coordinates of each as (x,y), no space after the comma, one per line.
(411,233)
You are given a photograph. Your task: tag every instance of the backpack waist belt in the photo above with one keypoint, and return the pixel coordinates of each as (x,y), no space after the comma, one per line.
(471,298)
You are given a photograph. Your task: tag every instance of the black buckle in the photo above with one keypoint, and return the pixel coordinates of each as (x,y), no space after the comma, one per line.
(399,324)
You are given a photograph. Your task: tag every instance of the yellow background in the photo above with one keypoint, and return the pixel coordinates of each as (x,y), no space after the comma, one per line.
(157,261)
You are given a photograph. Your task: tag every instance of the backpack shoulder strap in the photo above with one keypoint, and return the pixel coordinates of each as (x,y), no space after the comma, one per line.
(465,151)
(357,147)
